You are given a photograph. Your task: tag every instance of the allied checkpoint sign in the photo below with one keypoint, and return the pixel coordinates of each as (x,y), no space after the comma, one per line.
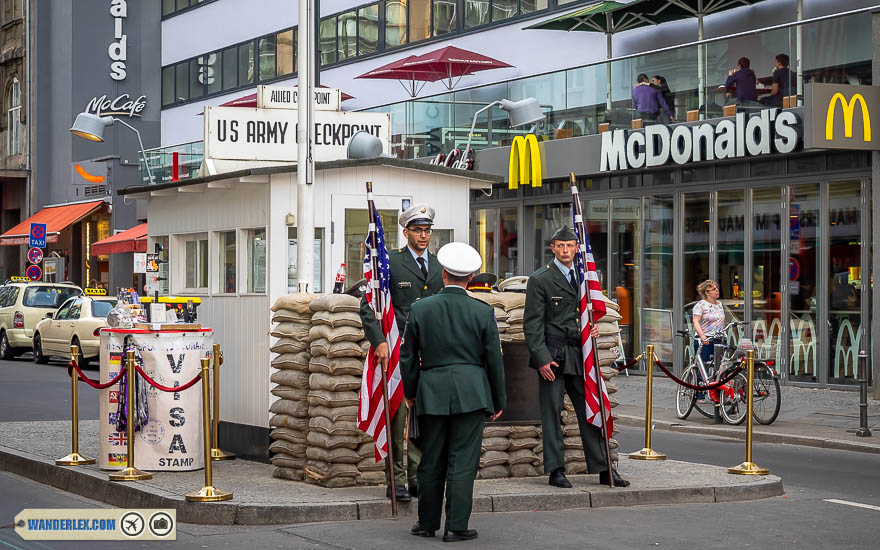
(172,438)
(244,134)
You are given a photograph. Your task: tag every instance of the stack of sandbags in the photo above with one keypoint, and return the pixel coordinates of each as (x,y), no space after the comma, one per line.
(335,446)
(510,451)
(509,307)
(291,322)
(495,458)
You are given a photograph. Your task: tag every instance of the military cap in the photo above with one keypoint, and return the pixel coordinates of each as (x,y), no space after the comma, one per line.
(419,214)
(483,282)
(459,259)
(564,234)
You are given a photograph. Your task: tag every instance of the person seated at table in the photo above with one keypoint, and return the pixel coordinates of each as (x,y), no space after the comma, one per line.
(659,82)
(648,101)
(745,82)
(783,82)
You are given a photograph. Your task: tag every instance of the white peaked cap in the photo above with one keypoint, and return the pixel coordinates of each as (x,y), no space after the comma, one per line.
(459,259)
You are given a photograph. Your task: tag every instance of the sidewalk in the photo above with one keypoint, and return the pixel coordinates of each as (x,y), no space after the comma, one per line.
(29,449)
(808,416)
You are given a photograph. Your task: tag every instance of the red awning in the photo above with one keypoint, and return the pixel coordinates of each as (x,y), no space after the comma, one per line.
(56,218)
(130,240)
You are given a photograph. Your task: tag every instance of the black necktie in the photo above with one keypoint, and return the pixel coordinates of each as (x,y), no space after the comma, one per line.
(572,280)
(423,267)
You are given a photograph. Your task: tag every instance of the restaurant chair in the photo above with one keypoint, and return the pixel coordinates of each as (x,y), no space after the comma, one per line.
(789,102)
(636,123)
(604,127)
(729,110)
(693,115)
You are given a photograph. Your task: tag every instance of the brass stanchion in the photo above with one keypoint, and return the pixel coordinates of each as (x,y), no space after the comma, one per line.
(74,458)
(748,467)
(208,493)
(216,453)
(648,453)
(130,473)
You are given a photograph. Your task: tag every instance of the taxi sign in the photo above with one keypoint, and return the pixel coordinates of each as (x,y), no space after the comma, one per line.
(19,279)
(38,235)
(95,292)
(35,255)
(34,273)
(172,299)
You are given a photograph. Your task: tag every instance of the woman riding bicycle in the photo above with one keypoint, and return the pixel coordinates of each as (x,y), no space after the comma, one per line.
(708,316)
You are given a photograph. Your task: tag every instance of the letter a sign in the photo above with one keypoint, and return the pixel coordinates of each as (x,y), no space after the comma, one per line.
(842,117)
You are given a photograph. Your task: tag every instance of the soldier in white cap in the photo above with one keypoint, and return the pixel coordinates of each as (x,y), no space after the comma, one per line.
(415,274)
(453,374)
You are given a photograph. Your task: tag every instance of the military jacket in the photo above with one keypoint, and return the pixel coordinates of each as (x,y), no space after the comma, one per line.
(461,368)
(407,286)
(551,321)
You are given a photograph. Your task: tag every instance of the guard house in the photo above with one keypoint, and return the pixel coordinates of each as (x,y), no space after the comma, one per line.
(231,240)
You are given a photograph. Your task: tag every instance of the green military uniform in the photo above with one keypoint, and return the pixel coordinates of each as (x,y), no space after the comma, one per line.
(552,331)
(460,382)
(408,285)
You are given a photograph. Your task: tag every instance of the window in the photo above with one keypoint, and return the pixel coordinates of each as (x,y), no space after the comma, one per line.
(246,64)
(226,246)
(368,30)
(230,68)
(196,263)
(181,82)
(196,84)
(327,40)
(476,13)
(212,71)
(75,308)
(347,33)
(395,23)
(292,285)
(100,308)
(63,310)
(47,296)
(267,57)
(504,9)
(163,263)
(256,260)
(286,46)
(444,16)
(173,7)
(419,19)
(14,127)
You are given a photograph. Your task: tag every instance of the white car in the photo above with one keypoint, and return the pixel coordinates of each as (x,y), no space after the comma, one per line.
(76,323)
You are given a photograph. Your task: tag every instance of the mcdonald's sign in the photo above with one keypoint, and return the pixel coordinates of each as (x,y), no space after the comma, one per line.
(841,116)
(525,162)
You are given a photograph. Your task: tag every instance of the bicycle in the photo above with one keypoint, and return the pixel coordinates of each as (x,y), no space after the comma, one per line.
(731,397)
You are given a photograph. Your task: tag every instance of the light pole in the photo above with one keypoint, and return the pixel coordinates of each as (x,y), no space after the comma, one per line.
(91,127)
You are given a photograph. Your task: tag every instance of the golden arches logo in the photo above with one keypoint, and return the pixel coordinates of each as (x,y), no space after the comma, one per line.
(525,157)
(848,113)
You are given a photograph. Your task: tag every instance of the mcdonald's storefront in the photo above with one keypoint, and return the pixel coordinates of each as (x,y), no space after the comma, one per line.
(774,204)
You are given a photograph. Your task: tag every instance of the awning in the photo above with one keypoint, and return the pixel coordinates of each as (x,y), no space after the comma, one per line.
(57,219)
(130,240)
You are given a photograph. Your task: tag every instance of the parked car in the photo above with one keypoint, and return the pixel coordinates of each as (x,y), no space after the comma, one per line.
(22,305)
(77,322)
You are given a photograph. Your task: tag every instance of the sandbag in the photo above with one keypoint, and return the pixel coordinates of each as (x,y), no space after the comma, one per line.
(291,393)
(572,442)
(496,431)
(291,474)
(326,398)
(522,432)
(297,450)
(290,330)
(338,334)
(298,302)
(502,326)
(290,408)
(490,298)
(337,365)
(318,469)
(340,455)
(290,316)
(493,472)
(371,478)
(515,337)
(367,449)
(523,443)
(289,345)
(335,414)
(569,430)
(523,456)
(514,330)
(288,434)
(340,319)
(493,458)
(515,316)
(325,425)
(293,378)
(335,303)
(573,455)
(500,314)
(348,349)
(296,361)
(607,355)
(495,444)
(523,470)
(287,421)
(610,316)
(332,441)
(569,416)
(511,300)
(370,465)
(606,345)
(319,381)
(575,468)
(287,461)
(607,328)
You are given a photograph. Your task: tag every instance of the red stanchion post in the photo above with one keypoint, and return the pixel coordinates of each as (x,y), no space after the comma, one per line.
(74,458)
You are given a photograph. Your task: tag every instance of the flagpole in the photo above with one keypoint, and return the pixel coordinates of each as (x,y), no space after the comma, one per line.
(600,397)
(378,309)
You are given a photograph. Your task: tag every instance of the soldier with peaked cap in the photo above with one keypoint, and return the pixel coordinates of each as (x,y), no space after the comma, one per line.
(415,274)
(453,373)
(552,330)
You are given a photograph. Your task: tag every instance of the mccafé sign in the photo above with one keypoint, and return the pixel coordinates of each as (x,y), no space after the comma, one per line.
(842,116)
(768,131)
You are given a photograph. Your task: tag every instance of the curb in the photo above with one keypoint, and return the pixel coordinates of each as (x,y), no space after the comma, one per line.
(97,486)
(737,432)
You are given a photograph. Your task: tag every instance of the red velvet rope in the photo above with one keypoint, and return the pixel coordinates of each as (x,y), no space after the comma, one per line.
(89,381)
(630,364)
(159,386)
(713,386)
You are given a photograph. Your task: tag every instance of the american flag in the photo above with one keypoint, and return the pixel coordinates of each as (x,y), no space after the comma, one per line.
(591,299)
(371,411)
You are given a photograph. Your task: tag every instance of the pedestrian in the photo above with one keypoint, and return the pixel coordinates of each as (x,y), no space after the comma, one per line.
(415,274)
(552,331)
(784,81)
(659,83)
(743,81)
(453,374)
(708,315)
(648,101)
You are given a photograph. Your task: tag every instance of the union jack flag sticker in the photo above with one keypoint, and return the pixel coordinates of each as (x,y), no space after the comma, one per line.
(118,439)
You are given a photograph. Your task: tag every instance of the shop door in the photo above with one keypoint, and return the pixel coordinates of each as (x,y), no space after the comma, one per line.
(623,269)
(804,272)
(766,275)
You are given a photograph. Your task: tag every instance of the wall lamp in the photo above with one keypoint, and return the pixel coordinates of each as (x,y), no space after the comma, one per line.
(91,127)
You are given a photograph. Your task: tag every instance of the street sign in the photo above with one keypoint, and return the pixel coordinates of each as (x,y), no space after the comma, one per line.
(34,272)
(35,255)
(152,283)
(152,263)
(38,235)
(140,262)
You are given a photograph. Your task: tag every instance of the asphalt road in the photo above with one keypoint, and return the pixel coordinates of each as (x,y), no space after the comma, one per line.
(802,518)
(29,391)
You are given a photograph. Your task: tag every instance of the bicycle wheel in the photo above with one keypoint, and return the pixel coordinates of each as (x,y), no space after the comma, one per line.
(703,399)
(733,400)
(684,397)
(766,398)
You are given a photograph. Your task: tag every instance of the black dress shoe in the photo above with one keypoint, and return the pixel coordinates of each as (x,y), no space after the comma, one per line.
(402,494)
(558,479)
(420,531)
(455,536)
(618,481)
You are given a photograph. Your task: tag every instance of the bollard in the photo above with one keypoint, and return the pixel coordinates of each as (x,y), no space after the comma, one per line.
(74,458)
(208,493)
(748,467)
(863,430)
(216,453)
(130,473)
(648,453)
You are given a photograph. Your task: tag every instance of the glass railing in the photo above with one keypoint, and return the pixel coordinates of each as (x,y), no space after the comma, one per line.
(172,163)
(589,99)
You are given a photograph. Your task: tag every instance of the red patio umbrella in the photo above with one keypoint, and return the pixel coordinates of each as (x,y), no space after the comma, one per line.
(450,63)
(412,80)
